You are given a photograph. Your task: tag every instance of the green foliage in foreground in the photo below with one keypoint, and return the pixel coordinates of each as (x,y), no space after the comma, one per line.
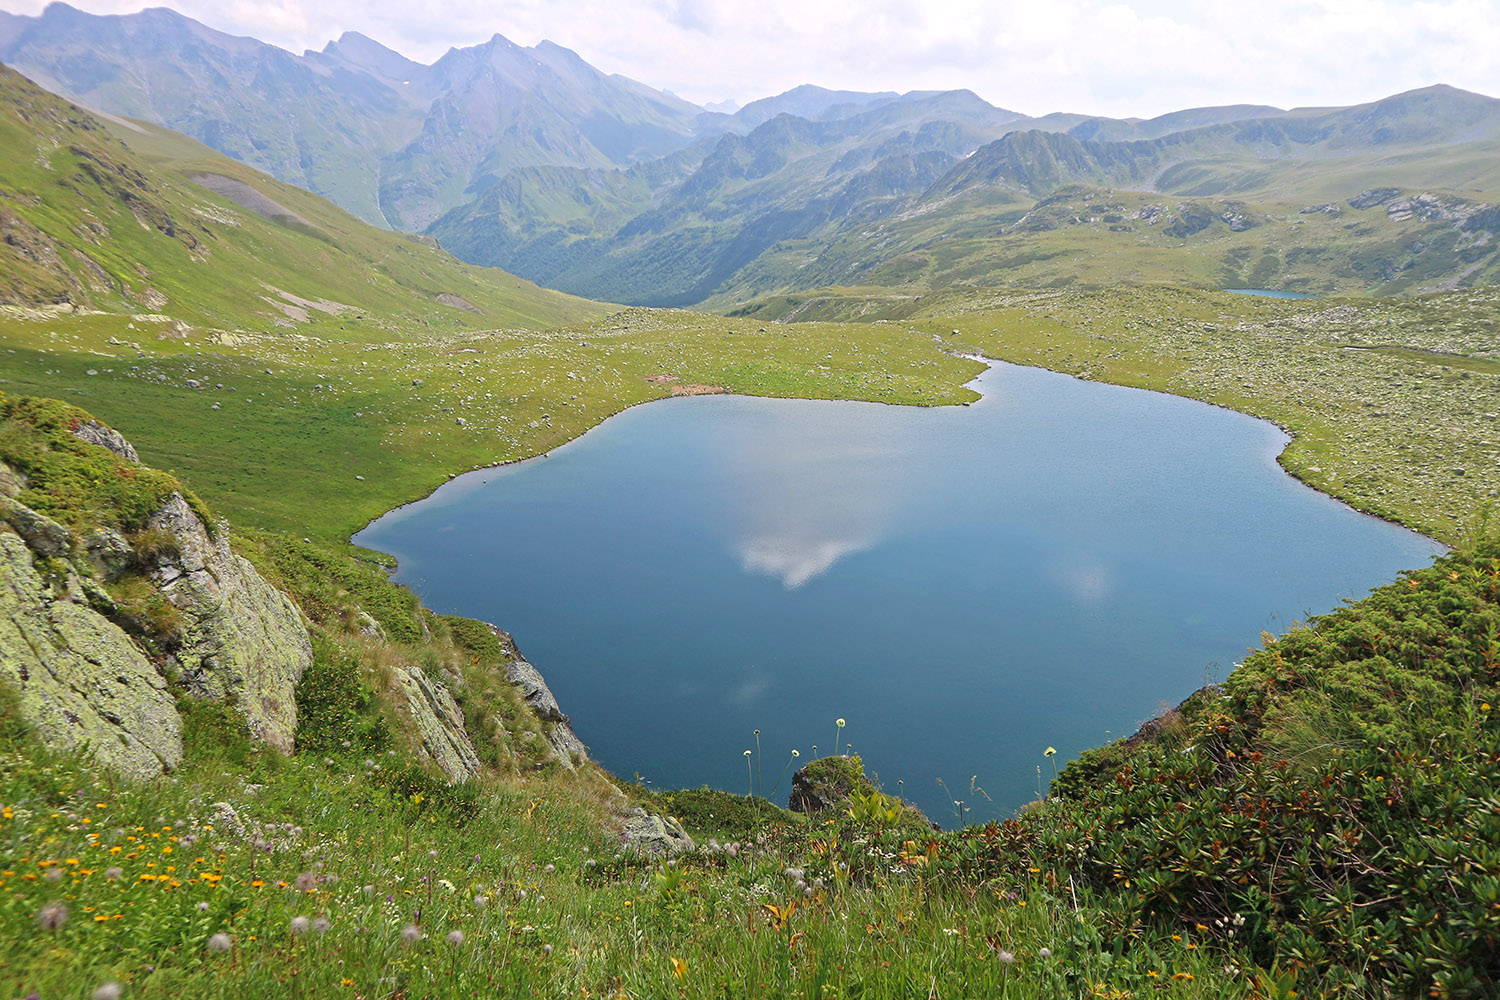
(1256,841)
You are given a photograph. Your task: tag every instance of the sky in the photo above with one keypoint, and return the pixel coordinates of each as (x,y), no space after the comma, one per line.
(1132,58)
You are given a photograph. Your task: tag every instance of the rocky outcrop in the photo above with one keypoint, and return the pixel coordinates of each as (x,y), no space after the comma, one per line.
(653,835)
(106,437)
(439,721)
(83,683)
(566,746)
(828,783)
(241,638)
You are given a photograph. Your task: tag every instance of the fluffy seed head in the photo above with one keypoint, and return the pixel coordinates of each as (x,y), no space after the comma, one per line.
(52,916)
(321,925)
(220,943)
(306,881)
(455,938)
(1006,958)
(113,873)
(411,933)
(1044,953)
(108,991)
(299,925)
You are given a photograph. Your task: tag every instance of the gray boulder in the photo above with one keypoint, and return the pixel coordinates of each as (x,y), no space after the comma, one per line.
(106,437)
(439,720)
(83,684)
(43,535)
(566,746)
(241,637)
(652,835)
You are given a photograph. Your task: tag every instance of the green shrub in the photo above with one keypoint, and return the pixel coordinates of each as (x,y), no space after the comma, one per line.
(475,636)
(214,732)
(336,710)
(706,812)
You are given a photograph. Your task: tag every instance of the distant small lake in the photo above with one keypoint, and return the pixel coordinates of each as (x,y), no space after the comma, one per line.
(1271,293)
(966,586)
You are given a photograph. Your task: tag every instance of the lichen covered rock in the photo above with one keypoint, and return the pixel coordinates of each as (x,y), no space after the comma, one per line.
(242,639)
(82,681)
(440,722)
(94,432)
(653,835)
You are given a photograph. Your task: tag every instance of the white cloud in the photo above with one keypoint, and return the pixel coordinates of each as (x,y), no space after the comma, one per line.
(1143,57)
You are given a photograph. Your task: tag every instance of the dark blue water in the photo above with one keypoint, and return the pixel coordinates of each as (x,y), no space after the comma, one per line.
(1271,293)
(966,586)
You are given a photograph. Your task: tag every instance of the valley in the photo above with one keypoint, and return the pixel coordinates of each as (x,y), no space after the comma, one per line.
(348,279)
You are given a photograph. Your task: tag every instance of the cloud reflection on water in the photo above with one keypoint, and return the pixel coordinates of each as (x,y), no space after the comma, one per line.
(815,492)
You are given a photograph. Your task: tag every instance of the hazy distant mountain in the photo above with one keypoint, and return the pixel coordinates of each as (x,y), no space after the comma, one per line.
(799,203)
(672,232)
(389,139)
(532,160)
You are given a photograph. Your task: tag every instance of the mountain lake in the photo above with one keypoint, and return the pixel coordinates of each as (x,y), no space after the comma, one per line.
(966,586)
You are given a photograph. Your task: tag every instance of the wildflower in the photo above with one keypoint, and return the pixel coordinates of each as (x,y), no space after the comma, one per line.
(455,938)
(203,906)
(411,933)
(546,949)
(679,967)
(321,925)
(839,723)
(52,916)
(432,854)
(748,753)
(369,890)
(480,902)
(1005,957)
(1044,953)
(306,882)
(299,925)
(796,754)
(220,943)
(108,991)
(1050,752)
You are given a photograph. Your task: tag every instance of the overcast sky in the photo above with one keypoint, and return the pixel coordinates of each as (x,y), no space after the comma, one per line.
(1136,57)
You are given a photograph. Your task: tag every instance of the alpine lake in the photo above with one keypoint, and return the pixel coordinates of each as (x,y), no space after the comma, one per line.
(965,586)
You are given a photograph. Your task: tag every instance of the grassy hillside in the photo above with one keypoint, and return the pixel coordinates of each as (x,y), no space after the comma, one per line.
(168,226)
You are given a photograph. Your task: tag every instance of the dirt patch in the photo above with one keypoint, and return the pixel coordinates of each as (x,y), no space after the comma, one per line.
(458,302)
(684,388)
(250,199)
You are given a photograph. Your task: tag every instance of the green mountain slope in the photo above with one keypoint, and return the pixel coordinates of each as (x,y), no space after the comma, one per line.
(171,226)
(901,192)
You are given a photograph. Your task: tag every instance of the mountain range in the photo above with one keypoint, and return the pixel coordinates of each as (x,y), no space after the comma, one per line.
(531,160)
